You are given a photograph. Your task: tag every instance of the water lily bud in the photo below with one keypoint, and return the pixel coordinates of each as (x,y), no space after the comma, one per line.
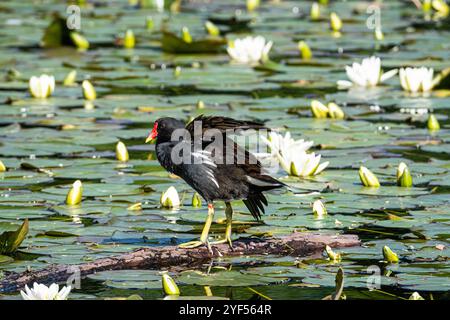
(378,34)
(335,22)
(304,50)
(433,123)
(135,207)
(208,291)
(200,104)
(68,127)
(389,255)
(75,193)
(212,29)
(319,209)
(315,11)
(88,105)
(368,179)
(426,5)
(177,71)
(174,7)
(170,198)
(169,285)
(318,109)
(2,167)
(88,90)
(441,6)
(404,178)
(42,87)
(252,5)
(69,80)
(149,24)
(196,200)
(415,296)
(129,41)
(80,42)
(334,111)
(334,256)
(186,36)
(122,152)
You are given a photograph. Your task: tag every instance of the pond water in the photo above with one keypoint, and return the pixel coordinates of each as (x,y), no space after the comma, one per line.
(75,139)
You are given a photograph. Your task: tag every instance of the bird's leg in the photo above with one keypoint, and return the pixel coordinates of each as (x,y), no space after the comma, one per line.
(208,222)
(205,231)
(229,215)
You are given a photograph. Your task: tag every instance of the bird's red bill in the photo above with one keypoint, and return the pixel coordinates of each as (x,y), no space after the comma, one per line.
(152,134)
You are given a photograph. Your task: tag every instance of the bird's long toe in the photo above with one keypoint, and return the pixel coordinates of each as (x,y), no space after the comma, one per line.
(221,241)
(191,244)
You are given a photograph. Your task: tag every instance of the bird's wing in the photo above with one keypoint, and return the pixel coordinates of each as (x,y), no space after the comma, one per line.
(196,166)
(222,124)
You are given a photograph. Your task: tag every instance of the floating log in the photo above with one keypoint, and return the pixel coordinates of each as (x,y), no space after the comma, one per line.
(295,244)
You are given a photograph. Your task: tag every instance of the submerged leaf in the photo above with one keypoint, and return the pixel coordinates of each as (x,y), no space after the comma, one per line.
(174,44)
(57,34)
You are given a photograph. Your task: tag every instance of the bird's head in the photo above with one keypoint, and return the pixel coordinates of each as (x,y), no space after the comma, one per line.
(163,129)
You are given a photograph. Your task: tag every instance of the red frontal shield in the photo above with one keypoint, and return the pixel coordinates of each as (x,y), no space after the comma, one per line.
(152,134)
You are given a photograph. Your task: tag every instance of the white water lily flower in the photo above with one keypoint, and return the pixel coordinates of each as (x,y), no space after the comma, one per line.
(249,49)
(170,198)
(278,143)
(416,79)
(292,155)
(415,296)
(366,74)
(42,292)
(42,87)
(159,4)
(306,164)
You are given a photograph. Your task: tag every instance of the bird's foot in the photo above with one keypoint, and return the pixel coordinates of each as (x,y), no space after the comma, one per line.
(221,241)
(192,244)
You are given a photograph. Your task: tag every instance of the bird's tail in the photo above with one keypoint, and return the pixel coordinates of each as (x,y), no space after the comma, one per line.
(255,204)
(256,200)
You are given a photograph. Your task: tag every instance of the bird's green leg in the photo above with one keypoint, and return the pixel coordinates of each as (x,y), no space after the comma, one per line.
(205,231)
(229,215)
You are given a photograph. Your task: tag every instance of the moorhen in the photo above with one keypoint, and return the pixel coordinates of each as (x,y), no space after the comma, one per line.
(209,169)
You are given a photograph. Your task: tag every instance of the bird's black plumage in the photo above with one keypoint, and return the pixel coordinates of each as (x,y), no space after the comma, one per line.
(215,177)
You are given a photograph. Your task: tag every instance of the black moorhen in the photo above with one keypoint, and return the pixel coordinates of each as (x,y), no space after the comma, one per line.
(215,176)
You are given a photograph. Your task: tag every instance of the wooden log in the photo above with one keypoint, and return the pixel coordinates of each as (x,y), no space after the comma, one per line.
(296,244)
